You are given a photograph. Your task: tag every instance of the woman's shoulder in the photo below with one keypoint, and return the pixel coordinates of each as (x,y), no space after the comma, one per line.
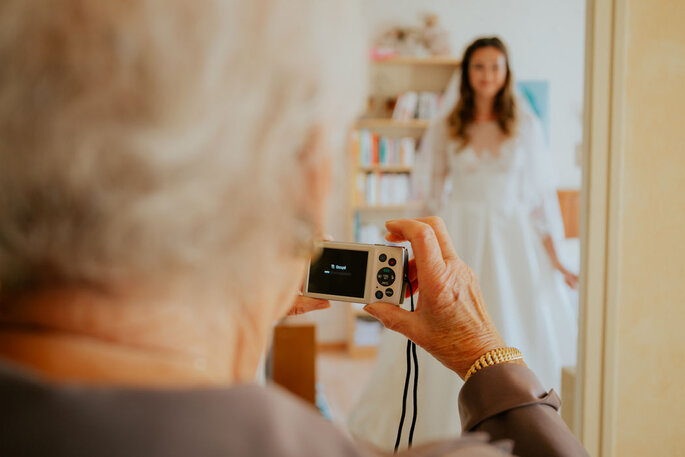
(241,420)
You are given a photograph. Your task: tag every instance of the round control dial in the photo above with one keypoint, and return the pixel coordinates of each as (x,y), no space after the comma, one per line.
(385,276)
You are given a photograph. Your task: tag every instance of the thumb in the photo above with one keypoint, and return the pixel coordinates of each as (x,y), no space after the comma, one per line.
(393,317)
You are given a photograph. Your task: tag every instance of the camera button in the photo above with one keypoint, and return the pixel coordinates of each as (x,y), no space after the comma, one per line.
(388,292)
(385,277)
(392,262)
(379,294)
(382,257)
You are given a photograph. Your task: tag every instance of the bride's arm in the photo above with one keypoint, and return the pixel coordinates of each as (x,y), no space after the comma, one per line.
(570,277)
(539,193)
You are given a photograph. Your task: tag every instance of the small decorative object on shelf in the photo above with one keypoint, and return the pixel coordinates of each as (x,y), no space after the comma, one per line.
(435,37)
(399,41)
(431,39)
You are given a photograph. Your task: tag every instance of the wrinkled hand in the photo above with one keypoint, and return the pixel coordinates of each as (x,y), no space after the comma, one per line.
(303,304)
(450,320)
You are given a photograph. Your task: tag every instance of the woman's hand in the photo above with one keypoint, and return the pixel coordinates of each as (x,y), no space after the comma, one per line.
(570,278)
(303,304)
(450,321)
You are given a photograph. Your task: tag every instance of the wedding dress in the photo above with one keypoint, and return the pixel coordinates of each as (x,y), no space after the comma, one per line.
(498,205)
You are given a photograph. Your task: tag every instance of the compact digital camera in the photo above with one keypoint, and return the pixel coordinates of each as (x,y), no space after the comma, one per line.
(355,272)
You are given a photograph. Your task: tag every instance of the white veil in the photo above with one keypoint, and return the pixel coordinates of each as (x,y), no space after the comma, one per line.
(431,165)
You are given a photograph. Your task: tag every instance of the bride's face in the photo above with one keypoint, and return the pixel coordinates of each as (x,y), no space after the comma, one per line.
(487,71)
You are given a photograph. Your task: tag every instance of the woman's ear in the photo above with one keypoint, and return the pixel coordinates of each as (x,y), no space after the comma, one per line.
(316,165)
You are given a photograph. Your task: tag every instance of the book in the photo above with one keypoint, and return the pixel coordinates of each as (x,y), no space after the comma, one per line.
(383,189)
(405,106)
(372,149)
(413,105)
(428,105)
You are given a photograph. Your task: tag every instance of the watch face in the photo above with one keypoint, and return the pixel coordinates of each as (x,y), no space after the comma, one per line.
(339,272)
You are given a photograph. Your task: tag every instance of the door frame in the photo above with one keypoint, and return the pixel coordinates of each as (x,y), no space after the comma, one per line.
(605,32)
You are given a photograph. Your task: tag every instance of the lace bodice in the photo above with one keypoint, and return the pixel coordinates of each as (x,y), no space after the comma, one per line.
(484,170)
(503,174)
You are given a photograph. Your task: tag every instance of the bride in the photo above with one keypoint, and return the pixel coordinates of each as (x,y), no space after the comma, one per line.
(482,168)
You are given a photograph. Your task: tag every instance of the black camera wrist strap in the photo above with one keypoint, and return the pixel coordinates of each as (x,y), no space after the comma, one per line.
(411,356)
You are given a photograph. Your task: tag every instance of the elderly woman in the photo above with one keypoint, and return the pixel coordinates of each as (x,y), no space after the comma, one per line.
(165,166)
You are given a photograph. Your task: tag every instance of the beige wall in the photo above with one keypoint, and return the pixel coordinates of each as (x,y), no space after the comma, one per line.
(649,336)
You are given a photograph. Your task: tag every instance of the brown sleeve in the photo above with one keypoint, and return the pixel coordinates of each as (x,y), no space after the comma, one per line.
(508,402)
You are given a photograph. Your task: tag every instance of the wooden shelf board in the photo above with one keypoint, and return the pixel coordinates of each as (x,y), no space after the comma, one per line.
(412,60)
(371,123)
(362,351)
(407,206)
(386,169)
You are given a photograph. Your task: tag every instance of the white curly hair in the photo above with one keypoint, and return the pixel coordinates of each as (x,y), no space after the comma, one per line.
(143,137)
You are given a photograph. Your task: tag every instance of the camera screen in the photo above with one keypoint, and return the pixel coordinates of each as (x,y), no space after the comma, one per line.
(339,272)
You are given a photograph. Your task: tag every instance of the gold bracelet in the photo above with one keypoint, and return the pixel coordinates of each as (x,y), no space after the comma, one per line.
(493,357)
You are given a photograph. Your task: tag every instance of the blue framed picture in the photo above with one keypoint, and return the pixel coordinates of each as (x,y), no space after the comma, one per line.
(536,93)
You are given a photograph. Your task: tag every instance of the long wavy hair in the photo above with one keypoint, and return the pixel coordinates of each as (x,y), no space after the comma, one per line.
(464,112)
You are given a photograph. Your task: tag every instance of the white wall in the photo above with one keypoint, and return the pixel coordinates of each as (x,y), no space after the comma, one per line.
(545,40)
